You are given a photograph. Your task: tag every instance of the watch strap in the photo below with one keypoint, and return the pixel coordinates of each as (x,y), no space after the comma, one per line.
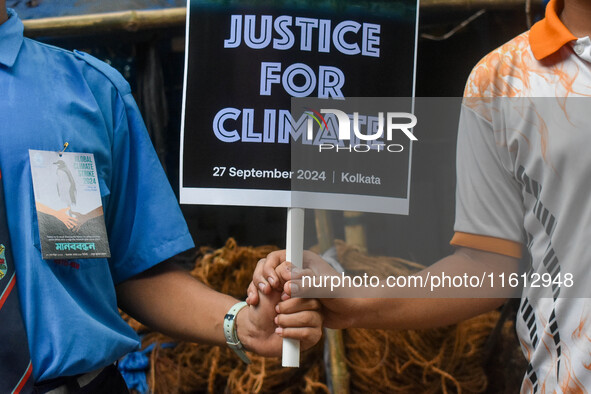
(230,331)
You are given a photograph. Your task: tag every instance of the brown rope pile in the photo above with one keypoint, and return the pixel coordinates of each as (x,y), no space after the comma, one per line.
(428,361)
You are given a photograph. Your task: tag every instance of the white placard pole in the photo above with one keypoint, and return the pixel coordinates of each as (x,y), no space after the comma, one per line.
(294,253)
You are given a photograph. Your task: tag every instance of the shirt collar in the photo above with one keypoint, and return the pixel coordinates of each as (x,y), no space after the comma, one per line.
(11,39)
(549,35)
(582,47)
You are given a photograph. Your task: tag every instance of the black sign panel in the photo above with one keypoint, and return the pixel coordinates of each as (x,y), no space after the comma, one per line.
(245,63)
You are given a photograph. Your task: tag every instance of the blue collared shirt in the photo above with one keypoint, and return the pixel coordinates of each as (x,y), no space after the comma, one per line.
(49,96)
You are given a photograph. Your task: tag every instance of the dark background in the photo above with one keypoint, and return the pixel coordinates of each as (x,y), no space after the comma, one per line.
(443,67)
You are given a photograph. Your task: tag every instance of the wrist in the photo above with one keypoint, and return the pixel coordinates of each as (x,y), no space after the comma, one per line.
(359,311)
(243,328)
(378,312)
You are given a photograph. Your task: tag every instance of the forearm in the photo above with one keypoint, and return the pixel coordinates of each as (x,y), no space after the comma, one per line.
(401,312)
(3,14)
(167,299)
(419,313)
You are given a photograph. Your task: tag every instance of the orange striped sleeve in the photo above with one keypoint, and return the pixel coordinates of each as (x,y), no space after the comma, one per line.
(487,244)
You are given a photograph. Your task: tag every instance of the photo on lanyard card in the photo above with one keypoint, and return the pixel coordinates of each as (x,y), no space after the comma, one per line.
(69,206)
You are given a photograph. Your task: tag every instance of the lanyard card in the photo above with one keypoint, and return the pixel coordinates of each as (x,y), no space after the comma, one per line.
(69,206)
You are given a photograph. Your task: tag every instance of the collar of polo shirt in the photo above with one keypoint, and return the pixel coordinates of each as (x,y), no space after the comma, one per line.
(549,35)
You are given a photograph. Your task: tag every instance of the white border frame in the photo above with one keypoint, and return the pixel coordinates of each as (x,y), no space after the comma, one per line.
(286,198)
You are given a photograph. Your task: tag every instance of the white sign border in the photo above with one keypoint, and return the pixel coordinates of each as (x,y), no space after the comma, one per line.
(295,199)
(286,198)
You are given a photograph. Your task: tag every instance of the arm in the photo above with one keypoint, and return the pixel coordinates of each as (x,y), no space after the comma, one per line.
(418,313)
(169,300)
(3,13)
(396,313)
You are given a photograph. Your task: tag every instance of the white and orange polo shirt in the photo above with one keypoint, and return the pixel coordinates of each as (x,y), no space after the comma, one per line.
(524,183)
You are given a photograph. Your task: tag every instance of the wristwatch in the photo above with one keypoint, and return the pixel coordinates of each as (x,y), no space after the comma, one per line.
(230,331)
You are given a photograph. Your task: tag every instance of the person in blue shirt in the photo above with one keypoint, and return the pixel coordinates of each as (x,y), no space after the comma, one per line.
(49,96)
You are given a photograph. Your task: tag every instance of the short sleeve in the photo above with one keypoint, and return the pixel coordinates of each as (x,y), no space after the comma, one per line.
(144,220)
(489,207)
